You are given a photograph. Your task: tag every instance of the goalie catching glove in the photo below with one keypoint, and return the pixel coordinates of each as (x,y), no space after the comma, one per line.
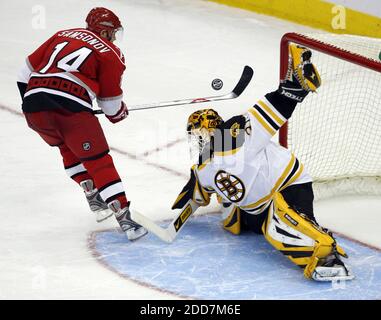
(302,76)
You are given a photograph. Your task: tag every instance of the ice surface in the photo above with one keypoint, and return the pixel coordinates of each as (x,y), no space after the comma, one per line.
(173,50)
(231,267)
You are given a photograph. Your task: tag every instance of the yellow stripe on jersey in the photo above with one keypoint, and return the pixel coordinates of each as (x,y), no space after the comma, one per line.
(226,153)
(293,179)
(203,165)
(263,122)
(279,182)
(271,113)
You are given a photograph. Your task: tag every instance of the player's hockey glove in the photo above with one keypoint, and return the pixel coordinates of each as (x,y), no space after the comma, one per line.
(120,115)
(302,76)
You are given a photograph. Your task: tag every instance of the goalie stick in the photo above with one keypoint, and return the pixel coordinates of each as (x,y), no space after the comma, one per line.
(243,82)
(169,233)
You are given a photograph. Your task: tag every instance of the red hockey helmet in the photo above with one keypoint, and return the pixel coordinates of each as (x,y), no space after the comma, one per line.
(100,19)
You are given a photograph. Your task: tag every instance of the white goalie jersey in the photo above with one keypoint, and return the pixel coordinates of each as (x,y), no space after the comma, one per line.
(245,167)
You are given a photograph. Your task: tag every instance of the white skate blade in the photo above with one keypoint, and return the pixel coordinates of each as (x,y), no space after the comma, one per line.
(338,273)
(102,215)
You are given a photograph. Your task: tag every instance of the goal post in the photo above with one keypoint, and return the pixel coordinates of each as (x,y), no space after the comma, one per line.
(336,132)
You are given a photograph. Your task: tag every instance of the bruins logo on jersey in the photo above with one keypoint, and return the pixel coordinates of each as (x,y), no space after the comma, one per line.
(230,185)
(234,130)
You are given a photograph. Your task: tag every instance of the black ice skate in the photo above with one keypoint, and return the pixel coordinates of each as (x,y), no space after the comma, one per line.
(132,229)
(96,203)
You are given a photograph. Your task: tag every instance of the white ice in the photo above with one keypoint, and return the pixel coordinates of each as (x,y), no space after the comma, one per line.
(173,48)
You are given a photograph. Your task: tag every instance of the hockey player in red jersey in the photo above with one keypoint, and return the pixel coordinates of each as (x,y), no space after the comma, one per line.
(58,84)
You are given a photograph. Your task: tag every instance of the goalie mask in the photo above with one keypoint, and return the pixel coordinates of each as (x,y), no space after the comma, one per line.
(200,128)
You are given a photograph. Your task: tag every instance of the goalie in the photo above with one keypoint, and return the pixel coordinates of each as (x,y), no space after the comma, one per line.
(263,186)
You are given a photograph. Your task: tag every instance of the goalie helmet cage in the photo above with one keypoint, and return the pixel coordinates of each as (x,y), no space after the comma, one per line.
(336,133)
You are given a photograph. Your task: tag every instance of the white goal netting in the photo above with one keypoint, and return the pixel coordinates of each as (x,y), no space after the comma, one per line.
(337,132)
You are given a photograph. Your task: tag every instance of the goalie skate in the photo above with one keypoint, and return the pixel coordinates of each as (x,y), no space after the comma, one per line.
(333,269)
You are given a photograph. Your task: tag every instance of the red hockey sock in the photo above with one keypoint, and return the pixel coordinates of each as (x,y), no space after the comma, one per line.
(106,179)
(73,166)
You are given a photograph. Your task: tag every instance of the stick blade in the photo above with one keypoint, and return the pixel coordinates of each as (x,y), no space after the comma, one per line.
(244,81)
(151,226)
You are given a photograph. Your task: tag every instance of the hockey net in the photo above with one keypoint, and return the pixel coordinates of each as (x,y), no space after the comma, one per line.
(336,133)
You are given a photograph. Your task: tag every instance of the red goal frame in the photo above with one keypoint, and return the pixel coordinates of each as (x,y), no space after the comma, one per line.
(322,47)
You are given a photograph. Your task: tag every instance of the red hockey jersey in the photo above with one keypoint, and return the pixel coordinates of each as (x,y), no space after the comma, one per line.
(71,69)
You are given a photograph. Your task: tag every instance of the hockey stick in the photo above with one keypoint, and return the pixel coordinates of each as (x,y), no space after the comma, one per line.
(243,82)
(169,233)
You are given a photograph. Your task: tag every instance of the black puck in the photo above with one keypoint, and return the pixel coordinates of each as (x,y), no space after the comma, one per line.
(217,84)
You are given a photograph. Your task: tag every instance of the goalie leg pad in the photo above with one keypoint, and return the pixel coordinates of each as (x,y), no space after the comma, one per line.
(303,241)
(232,219)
